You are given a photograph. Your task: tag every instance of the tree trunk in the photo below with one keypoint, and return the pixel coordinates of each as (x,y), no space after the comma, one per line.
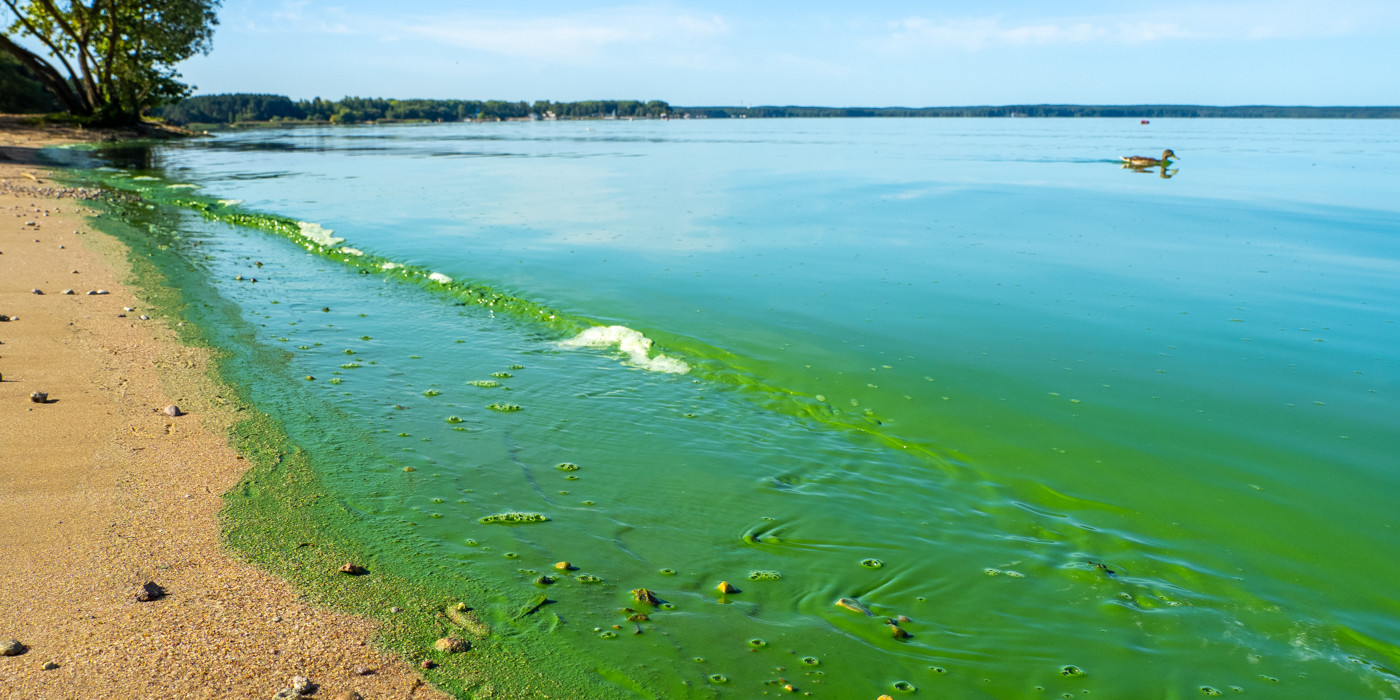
(49,76)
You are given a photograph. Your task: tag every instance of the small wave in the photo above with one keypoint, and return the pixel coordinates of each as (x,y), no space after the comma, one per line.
(230,202)
(390,266)
(352,251)
(318,234)
(634,344)
(182,186)
(440,278)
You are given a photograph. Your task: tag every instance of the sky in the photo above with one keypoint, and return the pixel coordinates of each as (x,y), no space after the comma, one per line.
(849,53)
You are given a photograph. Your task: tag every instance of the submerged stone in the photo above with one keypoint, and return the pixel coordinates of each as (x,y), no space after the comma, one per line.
(643,595)
(452,645)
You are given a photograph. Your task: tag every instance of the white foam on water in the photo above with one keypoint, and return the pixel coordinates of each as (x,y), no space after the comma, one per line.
(145,177)
(440,278)
(230,202)
(318,234)
(390,266)
(632,343)
(181,186)
(352,251)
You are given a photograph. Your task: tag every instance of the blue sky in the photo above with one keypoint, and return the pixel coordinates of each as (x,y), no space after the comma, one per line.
(874,53)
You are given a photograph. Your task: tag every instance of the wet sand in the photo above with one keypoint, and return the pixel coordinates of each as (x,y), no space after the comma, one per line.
(101,492)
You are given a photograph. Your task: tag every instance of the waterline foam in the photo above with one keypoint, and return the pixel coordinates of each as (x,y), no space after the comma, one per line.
(635,345)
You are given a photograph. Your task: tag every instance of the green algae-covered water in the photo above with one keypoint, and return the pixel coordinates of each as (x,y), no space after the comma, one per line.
(1054,428)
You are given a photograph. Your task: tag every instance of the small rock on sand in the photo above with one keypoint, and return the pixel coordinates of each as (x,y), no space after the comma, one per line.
(172,410)
(49,666)
(69,292)
(39,397)
(348,695)
(353,569)
(40,292)
(12,647)
(452,645)
(363,671)
(149,591)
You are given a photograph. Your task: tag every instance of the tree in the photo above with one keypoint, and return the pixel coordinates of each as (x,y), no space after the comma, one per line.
(110,59)
(20,91)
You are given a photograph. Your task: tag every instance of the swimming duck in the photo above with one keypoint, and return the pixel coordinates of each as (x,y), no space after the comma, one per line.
(1144,161)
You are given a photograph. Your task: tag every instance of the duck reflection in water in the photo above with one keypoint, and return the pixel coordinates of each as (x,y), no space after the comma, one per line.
(1162,170)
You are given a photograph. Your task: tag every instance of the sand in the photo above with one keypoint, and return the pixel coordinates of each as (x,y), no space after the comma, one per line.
(101,492)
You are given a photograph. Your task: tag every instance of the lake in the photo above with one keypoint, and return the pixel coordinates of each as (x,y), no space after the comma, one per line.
(1046,426)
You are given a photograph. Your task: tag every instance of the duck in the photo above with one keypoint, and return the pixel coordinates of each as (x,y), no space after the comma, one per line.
(1146,162)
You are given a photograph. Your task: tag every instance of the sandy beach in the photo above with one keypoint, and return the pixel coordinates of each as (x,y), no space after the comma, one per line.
(102,492)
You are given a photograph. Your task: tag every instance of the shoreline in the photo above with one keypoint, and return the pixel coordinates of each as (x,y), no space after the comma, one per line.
(103,492)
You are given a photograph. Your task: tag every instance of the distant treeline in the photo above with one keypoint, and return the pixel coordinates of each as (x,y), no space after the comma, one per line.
(228,109)
(1133,111)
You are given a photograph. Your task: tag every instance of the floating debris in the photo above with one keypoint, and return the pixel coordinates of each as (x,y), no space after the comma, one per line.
(566,467)
(564,566)
(764,575)
(504,407)
(484,383)
(513,518)
(535,604)
(897,631)
(644,595)
(872,563)
(854,606)
(454,419)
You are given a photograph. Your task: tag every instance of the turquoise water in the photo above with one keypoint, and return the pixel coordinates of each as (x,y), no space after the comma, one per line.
(1091,431)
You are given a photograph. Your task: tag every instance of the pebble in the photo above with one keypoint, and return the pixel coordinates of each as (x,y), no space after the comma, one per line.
(363,671)
(144,317)
(12,647)
(303,685)
(452,645)
(40,292)
(69,292)
(3,317)
(172,410)
(49,666)
(726,587)
(353,569)
(427,663)
(39,397)
(128,308)
(149,591)
(348,695)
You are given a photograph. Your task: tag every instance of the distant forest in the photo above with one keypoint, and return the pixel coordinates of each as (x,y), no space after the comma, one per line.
(231,109)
